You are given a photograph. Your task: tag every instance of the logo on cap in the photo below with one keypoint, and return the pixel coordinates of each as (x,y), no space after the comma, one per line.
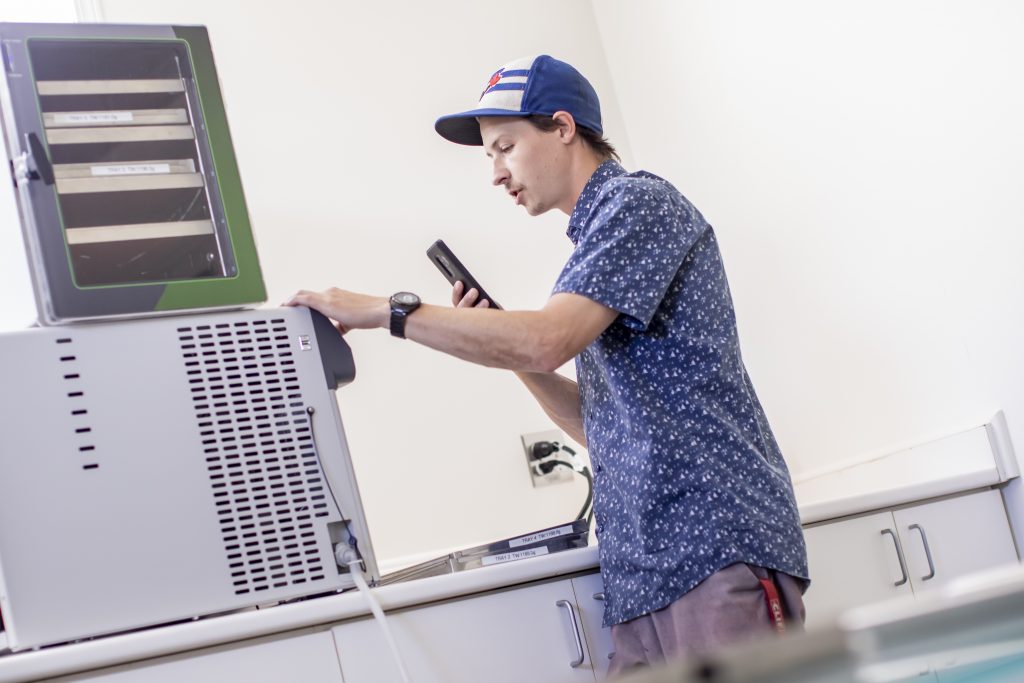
(506,79)
(495,77)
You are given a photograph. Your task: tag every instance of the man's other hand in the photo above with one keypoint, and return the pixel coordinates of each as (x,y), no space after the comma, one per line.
(467,301)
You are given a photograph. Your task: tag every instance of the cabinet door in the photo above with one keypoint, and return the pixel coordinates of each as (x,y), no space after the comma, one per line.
(955,537)
(852,562)
(525,634)
(590,597)
(952,538)
(309,658)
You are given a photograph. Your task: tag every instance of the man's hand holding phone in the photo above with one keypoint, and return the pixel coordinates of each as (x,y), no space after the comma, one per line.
(465,289)
(469,299)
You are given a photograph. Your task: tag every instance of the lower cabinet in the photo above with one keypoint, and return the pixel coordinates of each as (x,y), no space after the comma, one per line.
(952,538)
(533,633)
(852,562)
(905,551)
(308,657)
(590,597)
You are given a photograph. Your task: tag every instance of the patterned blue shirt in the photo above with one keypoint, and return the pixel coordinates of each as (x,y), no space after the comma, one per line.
(688,478)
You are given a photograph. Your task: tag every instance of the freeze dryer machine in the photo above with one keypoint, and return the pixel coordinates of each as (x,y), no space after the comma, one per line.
(165,454)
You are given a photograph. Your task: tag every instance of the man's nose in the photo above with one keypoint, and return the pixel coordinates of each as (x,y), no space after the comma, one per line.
(500,173)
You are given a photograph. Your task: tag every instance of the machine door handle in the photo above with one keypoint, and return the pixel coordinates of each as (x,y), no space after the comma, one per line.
(580,654)
(899,554)
(43,169)
(927,552)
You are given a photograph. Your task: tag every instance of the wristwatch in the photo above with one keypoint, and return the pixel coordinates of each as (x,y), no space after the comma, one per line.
(402,304)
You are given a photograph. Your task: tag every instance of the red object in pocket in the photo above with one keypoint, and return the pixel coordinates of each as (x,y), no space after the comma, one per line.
(771,594)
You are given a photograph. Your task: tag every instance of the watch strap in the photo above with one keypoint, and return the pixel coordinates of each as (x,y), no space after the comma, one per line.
(398,317)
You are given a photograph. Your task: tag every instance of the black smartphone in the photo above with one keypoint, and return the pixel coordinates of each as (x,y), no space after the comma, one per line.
(453,270)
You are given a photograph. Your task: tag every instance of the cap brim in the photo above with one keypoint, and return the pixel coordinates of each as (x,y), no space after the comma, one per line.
(463,127)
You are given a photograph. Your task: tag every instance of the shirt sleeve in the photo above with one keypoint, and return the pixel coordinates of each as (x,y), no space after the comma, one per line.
(631,249)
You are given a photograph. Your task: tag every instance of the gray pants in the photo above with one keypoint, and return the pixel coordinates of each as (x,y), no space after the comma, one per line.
(727,607)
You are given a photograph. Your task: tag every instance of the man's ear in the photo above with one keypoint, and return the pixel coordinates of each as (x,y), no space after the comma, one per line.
(566,126)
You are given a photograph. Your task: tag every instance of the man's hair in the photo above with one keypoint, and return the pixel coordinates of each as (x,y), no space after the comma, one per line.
(595,141)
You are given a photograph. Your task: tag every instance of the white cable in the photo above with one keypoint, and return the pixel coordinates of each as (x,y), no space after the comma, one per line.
(357,575)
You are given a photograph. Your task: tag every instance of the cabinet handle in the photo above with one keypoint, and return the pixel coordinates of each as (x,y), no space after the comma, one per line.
(927,552)
(899,554)
(575,631)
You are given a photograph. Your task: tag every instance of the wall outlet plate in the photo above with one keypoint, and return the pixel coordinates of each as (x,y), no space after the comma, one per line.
(559,475)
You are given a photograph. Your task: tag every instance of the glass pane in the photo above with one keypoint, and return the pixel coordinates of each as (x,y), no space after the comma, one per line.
(129,154)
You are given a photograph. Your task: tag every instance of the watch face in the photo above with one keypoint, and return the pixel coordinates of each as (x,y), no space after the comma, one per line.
(406,298)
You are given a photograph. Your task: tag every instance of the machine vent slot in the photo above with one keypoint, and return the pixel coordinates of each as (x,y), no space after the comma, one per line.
(264,474)
(76,394)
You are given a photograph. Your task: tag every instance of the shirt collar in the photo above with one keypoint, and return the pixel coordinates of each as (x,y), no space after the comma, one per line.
(605,172)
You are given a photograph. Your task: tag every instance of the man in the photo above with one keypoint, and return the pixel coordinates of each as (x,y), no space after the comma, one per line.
(699,537)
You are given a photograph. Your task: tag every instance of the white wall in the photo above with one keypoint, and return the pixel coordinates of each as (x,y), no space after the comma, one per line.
(331,106)
(863,165)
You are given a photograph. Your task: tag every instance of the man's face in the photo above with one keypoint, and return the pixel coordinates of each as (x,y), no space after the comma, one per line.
(530,164)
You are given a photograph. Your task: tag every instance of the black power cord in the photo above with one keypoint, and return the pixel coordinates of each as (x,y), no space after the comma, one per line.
(353,542)
(546,449)
(548,466)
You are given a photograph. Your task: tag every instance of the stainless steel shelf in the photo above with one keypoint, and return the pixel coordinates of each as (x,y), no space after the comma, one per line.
(138,231)
(127,168)
(71,136)
(133,117)
(109,87)
(129,183)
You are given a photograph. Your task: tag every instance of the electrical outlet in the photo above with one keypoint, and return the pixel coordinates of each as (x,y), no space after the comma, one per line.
(559,475)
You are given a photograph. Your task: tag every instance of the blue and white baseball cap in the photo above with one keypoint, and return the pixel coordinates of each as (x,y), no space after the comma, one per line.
(524,87)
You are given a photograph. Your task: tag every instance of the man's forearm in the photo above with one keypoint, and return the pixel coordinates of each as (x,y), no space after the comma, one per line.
(560,399)
(511,340)
(525,341)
